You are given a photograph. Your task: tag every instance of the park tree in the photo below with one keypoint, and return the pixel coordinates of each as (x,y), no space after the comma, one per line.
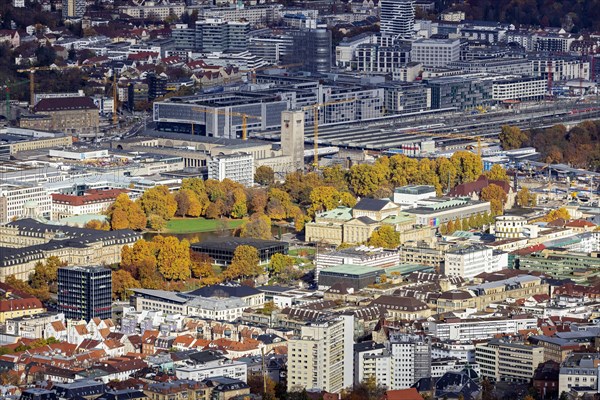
(447,173)
(496,196)
(215,209)
(239,208)
(366,179)
(465,224)
(98,225)
(457,225)
(197,186)
(403,170)
(156,222)
(279,262)
(264,175)
(450,227)
(188,203)
(173,260)
(443,229)
(125,214)
(366,390)
(497,173)
(525,198)
(558,213)
(122,283)
(347,200)
(300,220)
(385,237)
(245,263)
(46,273)
(511,137)
(336,176)
(258,200)
(158,201)
(258,227)
(202,268)
(468,166)
(323,198)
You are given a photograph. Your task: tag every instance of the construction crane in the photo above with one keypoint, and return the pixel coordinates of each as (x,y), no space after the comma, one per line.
(7,86)
(32,72)
(451,136)
(115,95)
(315,109)
(253,71)
(243,116)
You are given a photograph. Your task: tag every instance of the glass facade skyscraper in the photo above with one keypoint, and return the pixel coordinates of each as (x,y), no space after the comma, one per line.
(85,292)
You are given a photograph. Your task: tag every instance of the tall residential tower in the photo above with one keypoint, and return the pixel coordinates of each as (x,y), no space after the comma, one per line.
(397,18)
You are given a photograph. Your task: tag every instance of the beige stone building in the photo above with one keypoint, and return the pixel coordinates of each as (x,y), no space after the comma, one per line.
(73,115)
(481,295)
(25,242)
(356,225)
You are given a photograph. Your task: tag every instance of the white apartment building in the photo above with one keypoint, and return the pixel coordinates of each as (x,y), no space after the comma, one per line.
(411,359)
(321,357)
(524,89)
(477,328)
(435,52)
(218,366)
(439,366)
(237,167)
(463,351)
(470,261)
(510,226)
(18,200)
(408,196)
(372,360)
(505,361)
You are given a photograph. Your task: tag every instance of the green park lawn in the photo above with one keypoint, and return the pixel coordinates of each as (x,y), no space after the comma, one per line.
(192,225)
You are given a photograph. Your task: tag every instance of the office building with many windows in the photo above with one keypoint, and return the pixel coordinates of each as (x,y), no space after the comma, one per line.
(85,292)
(236,167)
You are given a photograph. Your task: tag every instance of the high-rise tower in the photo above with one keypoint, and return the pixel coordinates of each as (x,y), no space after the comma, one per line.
(397,18)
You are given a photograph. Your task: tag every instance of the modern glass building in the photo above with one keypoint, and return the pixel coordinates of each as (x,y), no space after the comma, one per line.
(85,292)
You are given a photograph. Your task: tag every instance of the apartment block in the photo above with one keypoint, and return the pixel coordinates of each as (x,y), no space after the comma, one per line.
(506,361)
(320,357)
(236,167)
(411,359)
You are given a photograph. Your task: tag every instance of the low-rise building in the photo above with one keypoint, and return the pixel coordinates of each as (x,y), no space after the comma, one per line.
(579,370)
(467,262)
(74,115)
(210,364)
(468,329)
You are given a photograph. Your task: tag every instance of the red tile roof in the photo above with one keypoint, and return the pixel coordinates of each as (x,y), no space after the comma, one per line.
(97,196)
(467,189)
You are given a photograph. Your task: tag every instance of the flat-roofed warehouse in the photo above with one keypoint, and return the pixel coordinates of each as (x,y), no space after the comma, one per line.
(221,249)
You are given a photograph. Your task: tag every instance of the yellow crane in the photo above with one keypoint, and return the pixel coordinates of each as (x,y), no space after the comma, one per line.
(253,71)
(230,113)
(32,72)
(115,117)
(451,136)
(316,108)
